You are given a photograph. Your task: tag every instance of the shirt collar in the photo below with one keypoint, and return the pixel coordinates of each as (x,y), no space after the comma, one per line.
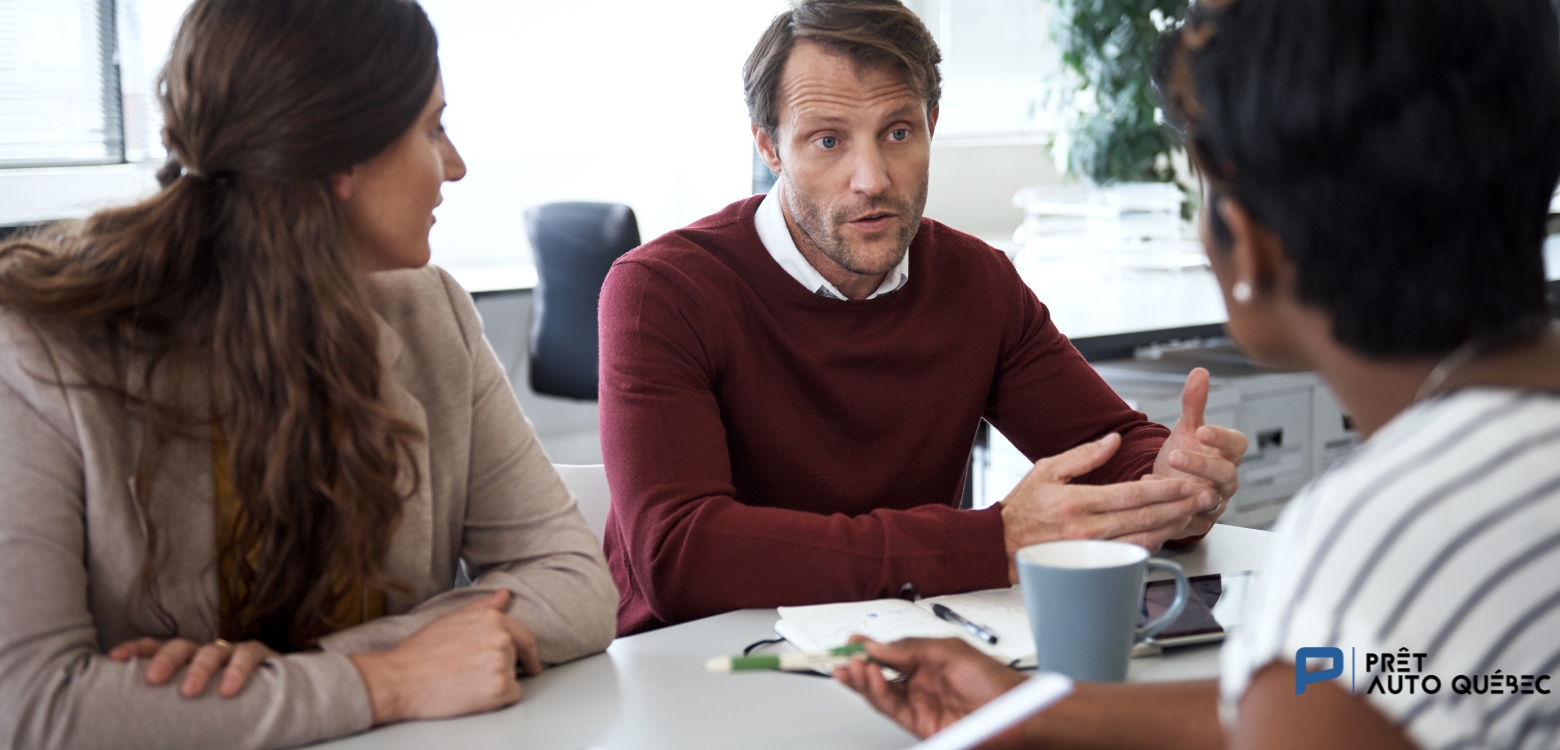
(776,236)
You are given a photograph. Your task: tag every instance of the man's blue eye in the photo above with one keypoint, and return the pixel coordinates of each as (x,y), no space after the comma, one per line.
(828,141)
(900,134)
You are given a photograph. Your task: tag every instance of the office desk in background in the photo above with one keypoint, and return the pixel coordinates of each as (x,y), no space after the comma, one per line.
(1107,312)
(650,691)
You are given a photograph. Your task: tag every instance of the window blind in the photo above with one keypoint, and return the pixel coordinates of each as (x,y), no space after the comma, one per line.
(59,83)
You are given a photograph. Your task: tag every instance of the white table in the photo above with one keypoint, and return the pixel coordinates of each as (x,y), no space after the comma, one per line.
(651,690)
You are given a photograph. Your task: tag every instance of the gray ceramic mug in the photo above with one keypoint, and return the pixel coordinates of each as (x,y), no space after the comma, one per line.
(1083,598)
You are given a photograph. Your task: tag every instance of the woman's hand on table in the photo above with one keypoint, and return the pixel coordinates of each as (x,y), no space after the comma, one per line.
(461,663)
(236,661)
(944,679)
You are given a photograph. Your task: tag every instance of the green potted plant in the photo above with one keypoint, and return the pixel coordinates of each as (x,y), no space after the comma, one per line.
(1115,134)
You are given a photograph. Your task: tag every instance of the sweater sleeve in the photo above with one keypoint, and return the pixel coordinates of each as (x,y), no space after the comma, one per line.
(57,688)
(679,533)
(522,530)
(1046,399)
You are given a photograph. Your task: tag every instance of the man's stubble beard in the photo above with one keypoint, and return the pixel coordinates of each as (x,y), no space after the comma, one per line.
(823,228)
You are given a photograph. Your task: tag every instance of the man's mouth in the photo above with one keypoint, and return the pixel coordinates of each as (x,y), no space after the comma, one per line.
(874,221)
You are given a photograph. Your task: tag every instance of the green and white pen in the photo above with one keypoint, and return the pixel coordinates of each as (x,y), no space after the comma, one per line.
(828,660)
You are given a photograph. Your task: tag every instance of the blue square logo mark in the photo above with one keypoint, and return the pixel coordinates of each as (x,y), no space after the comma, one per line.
(1303,678)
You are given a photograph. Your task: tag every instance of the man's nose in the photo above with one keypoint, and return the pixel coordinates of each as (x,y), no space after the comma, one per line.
(869,171)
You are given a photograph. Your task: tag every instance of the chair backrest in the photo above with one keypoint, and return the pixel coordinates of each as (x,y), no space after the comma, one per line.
(588,484)
(574,245)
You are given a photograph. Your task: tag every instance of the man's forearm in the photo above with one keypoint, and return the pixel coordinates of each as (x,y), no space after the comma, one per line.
(727,555)
(1150,716)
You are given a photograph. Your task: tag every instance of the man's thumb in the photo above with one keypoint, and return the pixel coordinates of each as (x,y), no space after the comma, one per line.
(1194,400)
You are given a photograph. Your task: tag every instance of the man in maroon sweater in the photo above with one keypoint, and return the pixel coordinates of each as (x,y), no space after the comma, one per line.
(790,387)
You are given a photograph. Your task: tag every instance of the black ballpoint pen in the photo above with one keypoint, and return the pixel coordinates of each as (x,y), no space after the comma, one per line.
(953,617)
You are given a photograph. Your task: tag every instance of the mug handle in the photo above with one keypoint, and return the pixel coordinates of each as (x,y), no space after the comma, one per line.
(1182,589)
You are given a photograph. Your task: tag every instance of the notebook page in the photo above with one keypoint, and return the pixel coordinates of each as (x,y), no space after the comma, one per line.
(828,626)
(1000,611)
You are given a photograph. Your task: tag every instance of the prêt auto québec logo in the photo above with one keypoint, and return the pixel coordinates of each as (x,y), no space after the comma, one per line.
(1403,672)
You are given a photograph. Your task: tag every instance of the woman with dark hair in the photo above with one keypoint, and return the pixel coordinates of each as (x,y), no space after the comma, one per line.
(248,438)
(1380,174)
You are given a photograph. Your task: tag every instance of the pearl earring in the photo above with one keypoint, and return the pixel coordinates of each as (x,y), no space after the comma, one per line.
(1241,292)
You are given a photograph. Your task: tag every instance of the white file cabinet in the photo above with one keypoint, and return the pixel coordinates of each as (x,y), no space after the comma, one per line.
(1275,415)
(1155,390)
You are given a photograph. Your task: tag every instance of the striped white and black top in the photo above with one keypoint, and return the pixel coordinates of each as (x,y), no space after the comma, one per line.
(1440,536)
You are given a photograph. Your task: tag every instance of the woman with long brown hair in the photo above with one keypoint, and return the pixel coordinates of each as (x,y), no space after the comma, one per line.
(247,438)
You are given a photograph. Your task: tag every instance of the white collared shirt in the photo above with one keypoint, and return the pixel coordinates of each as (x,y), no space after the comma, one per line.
(776,236)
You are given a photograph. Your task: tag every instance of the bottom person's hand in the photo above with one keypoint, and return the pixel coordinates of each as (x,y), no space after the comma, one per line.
(236,661)
(461,663)
(944,679)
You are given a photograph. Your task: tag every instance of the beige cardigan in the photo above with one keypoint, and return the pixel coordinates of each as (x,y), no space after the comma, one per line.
(71,543)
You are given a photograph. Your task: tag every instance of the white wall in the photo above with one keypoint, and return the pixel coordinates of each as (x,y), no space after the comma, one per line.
(1000,69)
(613,100)
(973,182)
(544,108)
(617,100)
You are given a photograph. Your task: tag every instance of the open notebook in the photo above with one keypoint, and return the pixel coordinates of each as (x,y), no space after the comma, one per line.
(824,626)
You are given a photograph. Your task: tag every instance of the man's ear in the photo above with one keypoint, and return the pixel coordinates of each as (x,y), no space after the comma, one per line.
(1256,253)
(768,150)
(341,183)
(931,121)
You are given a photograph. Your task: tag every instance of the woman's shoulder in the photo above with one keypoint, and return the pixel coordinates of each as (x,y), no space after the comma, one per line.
(1436,536)
(1451,495)
(36,367)
(31,351)
(1474,434)
(1464,478)
(427,309)
(1434,465)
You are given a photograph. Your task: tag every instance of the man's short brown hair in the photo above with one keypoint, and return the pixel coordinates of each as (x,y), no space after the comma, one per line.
(874,34)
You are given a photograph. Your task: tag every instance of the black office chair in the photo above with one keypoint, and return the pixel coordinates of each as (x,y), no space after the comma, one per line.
(575,245)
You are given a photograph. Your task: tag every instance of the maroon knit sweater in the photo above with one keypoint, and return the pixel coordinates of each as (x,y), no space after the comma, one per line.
(768,446)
